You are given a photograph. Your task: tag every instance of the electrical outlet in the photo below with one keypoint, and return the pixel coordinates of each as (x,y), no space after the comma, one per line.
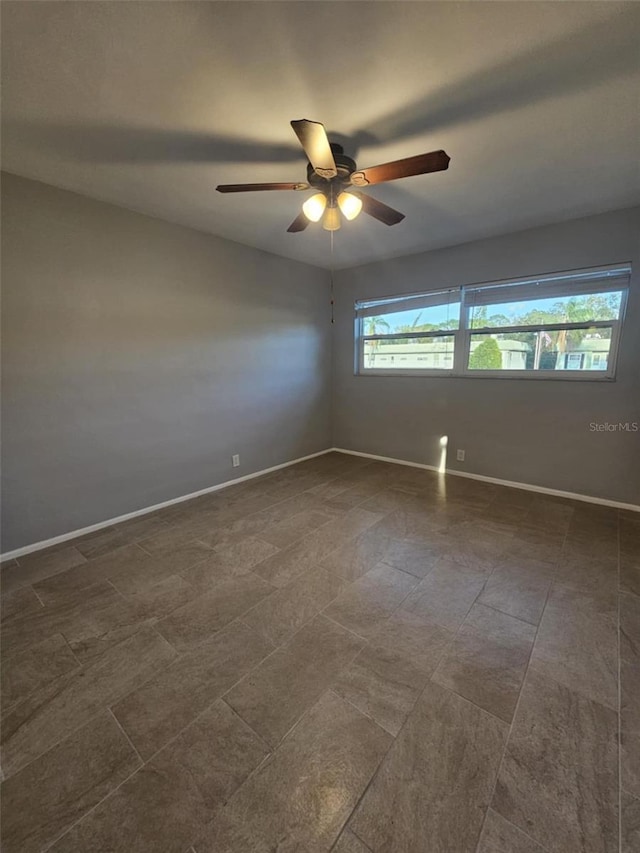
(235,460)
(460,455)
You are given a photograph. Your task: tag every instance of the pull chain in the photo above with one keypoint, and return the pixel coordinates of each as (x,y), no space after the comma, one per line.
(332,300)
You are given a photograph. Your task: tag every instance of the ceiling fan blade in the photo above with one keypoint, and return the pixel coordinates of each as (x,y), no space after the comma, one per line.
(249,188)
(298,224)
(313,138)
(380,211)
(422,164)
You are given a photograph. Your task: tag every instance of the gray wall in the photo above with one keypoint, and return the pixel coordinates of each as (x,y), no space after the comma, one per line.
(139,355)
(527,431)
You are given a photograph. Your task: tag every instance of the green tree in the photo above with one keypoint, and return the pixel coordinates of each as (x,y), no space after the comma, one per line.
(375,326)
(486,356)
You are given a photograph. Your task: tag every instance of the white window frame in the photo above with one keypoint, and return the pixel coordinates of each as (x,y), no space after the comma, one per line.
(618,275)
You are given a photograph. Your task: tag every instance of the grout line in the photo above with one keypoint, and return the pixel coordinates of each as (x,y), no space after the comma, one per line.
(515,710)
(268,746)
(343,627)
(504,612)
(355,834)
(32,588)
(374,775)
(78,661)
(362,713)
(619,750)
(521,831)
(129,741)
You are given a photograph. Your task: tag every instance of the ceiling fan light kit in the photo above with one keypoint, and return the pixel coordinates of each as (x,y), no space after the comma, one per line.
(331,173)
(331,219)
(350,205)
(314,206)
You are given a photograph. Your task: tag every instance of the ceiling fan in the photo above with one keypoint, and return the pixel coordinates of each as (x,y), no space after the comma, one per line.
(333,174)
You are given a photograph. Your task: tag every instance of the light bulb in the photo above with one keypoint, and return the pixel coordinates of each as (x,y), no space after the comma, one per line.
(331,221)
(350,205)
(314,206)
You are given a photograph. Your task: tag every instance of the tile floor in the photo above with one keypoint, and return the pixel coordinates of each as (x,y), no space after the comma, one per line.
(344,655)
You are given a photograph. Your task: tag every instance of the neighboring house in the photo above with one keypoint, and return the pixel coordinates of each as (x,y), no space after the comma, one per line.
(436,354)
(592,354)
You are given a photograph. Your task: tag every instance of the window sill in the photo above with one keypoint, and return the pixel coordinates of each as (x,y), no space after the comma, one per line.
(552,376)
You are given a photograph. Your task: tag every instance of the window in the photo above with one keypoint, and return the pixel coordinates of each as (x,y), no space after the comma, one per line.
(409,334)
(561,326)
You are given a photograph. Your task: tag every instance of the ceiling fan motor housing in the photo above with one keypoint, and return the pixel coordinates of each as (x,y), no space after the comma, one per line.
(345,166)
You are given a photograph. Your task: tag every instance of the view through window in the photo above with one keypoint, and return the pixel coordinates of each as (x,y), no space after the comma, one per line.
(556,326)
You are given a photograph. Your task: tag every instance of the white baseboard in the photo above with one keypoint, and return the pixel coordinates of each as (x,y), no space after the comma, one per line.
(510,483)
(74,534)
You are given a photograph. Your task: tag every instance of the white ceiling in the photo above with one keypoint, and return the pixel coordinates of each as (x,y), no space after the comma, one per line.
(150,105)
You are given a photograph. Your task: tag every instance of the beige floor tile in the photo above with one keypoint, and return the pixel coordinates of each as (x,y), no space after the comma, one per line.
(162,598)
(630,824)
(169,801)
(358,556)
(292,529)
(577,644)
(412,525)
(87,617)
(128,560)
(630,692)
(34,668)
(157,710)
(41,564)
(413,557)
(301,797)
(350,843)
(278,692)
(588,572)
(280,615)
(559,777)
(362,605)
(58,709)
(433,787)
(101,542)
(536,544)
(192,624)
(487,661)
(518,588)
(630,574)
(471,544)
(388,675)
(283,567)
(19,602)
(446,594)
(168,541)
(500,836)
(44,799)
(245,553)
(155,568)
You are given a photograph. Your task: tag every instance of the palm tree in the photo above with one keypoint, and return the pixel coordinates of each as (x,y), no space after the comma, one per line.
(374,326)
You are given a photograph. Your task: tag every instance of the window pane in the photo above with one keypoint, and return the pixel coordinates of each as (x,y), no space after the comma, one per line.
(565,309)
(570,349)
(409,354)
(428,319)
